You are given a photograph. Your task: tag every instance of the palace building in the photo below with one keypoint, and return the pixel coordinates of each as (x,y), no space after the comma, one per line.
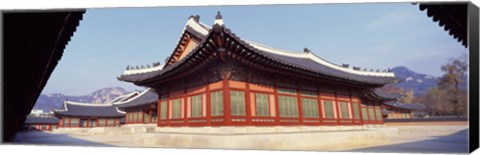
(215,78)
(141,109)
(42,123)
(398,110)
(86,115)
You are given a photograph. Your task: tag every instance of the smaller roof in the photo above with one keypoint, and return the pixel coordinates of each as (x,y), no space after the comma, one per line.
(88,110)
(386,95)
(125,97)
(412,106)
(385,111)
(42,120)
(147,97)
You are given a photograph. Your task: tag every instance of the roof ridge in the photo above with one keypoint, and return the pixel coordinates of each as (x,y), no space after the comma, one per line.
(133,98)
(88,104)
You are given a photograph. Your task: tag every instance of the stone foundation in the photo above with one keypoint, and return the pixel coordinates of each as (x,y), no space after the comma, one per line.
(278,138)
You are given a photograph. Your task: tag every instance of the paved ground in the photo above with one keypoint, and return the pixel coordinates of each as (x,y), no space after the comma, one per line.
(77,139)
(413,143)
(452,143)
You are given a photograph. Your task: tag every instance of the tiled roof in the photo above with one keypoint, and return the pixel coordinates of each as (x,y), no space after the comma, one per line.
(89,110)
(411,106)
(125,97)
(451,16)
(145,98)
(300,61)
(42,120)
(387,95)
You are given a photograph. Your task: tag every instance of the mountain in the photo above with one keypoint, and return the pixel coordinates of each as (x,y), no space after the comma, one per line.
(48,102)
(411,81)
(417,82)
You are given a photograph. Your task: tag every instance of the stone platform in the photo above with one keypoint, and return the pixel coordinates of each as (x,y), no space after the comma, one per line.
(271,138)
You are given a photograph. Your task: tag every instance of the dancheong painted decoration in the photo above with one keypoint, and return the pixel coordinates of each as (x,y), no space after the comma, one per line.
(215,78)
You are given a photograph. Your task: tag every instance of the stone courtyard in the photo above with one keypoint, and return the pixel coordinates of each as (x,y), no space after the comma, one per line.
(384,138)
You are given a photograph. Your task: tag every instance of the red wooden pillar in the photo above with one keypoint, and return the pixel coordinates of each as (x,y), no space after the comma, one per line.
(299,105)
(374,114)
(142,121)
(151,117)
(337,109)
(185,110)
(209,106)
(351,108)
(168,108)
(159,109)
(248,104)
(319,106)
(226,102)
(277,108)
(360,112)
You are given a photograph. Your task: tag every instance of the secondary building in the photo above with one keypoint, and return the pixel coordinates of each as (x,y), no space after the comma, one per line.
(215,78)
(141,109)
(42,123)
(74,114)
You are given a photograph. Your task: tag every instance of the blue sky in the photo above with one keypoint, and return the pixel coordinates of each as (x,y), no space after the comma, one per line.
(372,35)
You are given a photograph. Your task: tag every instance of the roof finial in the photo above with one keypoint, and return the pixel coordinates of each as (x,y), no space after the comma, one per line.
(306,50)
(218,16)
(218,19)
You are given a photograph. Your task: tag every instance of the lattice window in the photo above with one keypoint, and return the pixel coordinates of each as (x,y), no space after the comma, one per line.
(328,109)
(237,103)
(356,112)
(177,108)
(140,117)
(65,121)
(110,122)
(196,105)
(288,106)
(344,110)
(216,103)
(364,113)
(154,117)
(74,122)
(310,108)
(371,113)
(163,110)
(101,122)
(146,118)
(261,104)
(379,114)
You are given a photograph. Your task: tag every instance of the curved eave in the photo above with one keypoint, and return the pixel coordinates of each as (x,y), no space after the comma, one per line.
(302,65)
(451,16)
(145,98)
(405,106)
(385,96)
(88,110)
(66,113)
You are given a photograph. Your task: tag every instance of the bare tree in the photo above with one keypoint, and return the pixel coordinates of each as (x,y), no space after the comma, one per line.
(454,73)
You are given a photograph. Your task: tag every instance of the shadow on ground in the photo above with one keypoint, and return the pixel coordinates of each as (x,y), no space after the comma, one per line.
(47,138)
(453,143)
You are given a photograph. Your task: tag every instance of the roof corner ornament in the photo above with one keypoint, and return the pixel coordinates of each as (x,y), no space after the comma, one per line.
(195,18)
(218,19)
(306,50)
